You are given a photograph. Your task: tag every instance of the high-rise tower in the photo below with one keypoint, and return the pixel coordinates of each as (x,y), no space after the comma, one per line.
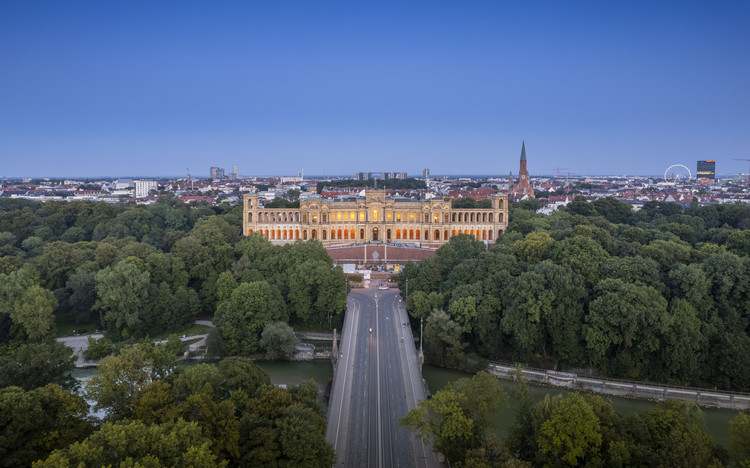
(523,188)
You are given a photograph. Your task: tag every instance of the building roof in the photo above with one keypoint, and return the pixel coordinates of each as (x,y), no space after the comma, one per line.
(523,151)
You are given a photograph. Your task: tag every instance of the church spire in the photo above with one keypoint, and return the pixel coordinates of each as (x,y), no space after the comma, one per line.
(523,151)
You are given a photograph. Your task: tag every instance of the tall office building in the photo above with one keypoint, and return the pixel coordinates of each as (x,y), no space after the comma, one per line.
(426,174)
(143,187)
(234,173)
(706,170)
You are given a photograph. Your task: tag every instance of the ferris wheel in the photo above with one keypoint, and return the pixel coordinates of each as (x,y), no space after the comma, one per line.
(677,173)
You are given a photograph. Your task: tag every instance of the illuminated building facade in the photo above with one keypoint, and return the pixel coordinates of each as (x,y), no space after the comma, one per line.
(375,218)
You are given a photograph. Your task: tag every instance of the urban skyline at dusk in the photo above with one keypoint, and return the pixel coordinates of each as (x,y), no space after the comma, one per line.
(91,90)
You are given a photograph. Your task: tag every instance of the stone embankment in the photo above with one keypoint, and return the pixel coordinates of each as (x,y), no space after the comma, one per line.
(625,388)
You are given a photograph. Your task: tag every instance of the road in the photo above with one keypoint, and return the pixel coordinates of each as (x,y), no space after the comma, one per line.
(377,382)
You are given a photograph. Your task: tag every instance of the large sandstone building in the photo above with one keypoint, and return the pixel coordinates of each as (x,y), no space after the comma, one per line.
(375,218)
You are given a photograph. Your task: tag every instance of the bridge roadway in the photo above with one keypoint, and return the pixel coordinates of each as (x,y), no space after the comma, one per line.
(377,382)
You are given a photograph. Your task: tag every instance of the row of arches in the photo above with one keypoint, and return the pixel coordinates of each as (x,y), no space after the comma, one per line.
(475,217)
(399,217)
(400,234)
(275,217)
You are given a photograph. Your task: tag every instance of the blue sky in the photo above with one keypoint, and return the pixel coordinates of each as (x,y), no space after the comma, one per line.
(91,88)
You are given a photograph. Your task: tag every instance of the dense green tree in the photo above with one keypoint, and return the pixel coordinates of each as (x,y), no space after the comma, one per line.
(97,349)
(133,443)
(583,255)
(278,340)
(33,365)
(202,378)
(458,418)
(623,325)
(35,422)
(442,338)
(119,381)
(613,210)
(123,299)
(534,247)
(672,432)
(739,440)
(572,433)
(251,307)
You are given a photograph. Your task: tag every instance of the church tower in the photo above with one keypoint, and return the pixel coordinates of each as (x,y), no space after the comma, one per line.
(524,187)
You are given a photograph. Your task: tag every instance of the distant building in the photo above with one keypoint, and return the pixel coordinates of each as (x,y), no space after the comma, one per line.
(375,217)
(523,188)
(426,174)
(234,173)
(217,173)
(706,170)
(143,187)
(121,184)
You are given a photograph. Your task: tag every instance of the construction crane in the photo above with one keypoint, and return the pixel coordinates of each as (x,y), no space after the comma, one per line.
(748,169)
(557,171)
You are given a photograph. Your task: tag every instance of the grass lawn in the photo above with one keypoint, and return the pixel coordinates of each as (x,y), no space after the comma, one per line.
(190,329)
(66,328)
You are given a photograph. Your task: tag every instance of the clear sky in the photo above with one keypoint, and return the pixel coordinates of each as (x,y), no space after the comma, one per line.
(102,88)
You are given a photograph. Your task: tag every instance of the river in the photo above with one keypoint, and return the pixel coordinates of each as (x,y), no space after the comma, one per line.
(294,373)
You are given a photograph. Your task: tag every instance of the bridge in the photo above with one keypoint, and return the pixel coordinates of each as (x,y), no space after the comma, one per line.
(377,380)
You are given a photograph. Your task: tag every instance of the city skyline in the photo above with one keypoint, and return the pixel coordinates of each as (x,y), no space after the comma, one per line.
(94,90)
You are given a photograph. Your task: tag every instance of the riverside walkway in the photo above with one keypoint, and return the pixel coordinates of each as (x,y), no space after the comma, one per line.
(647,390)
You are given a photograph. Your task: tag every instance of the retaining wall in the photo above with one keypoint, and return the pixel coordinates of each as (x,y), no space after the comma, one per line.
(701,397)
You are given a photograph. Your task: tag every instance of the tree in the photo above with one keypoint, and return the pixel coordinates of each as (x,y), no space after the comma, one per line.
(119,381)
(673,433)
(35,422)
(572,434)
(457,417)
(33,365)
(133,443)
(251,307)
(29,306)
(242,374)
(32,312)
(583,254)
(201,378)
(623,326)
(613,210)
(123,299)
(442,338)
(534,247)
(97,349)
(278,340)
(464,312)
(301,436)
(739,440)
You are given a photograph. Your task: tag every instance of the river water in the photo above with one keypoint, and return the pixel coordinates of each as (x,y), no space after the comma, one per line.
(294,373)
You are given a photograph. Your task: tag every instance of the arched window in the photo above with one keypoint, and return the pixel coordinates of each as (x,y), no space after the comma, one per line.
(249,217)
(437,234)
(411,233)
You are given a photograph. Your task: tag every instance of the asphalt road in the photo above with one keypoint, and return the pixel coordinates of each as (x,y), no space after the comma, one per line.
(376,383)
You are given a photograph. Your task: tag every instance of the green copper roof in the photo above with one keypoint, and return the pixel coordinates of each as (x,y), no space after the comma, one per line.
(523,151)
